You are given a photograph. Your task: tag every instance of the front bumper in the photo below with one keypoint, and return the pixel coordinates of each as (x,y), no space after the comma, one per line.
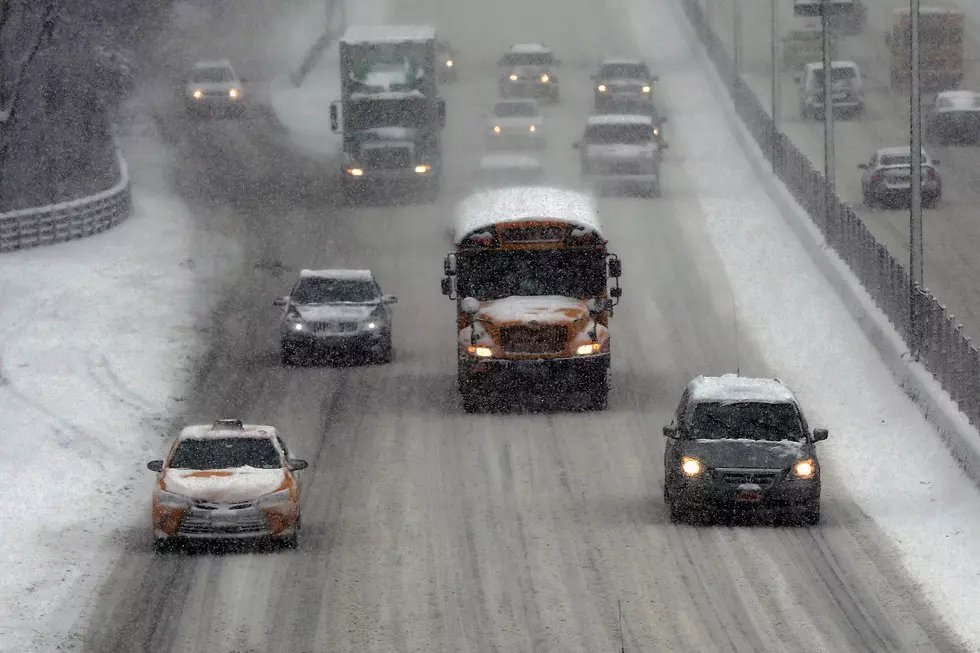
(711,492)
(624,100)
(515,138)
(852,104)
(243,521)
(530,88)
(311,341)
(555,374)
(214,104)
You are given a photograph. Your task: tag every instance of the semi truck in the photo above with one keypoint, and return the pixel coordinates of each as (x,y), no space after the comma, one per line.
(390,112)
(940,50)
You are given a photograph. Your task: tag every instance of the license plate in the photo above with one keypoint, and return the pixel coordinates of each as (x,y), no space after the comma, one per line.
(748,496)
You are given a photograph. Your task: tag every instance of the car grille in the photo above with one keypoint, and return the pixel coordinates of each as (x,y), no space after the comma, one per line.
(389,158)
(198,521)
(334,327)
(764,478)
(624,168)
(534,340)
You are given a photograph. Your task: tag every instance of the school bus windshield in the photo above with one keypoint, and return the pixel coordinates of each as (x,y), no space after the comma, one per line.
(493,275)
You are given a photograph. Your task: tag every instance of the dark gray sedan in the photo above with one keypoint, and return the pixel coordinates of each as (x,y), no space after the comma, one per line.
(740,444)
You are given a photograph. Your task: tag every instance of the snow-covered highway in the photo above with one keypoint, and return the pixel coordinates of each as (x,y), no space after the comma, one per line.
(427,529)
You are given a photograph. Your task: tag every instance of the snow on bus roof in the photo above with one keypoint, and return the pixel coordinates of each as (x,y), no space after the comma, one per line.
(732,388)
(362,275)
(482,209)
(386,95)
(359,34)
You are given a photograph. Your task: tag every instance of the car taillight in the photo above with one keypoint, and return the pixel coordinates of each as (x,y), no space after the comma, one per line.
(931,173)
(877,179)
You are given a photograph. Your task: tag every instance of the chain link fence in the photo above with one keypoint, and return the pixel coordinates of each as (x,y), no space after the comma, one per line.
(935,340)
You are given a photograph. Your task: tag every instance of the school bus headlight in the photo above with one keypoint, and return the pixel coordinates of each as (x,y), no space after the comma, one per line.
(422,169)
(481,352)
(690,466)
(355,172)
(646,89)
(590,348)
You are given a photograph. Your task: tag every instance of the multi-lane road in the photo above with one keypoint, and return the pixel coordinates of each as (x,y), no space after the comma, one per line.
(427,529)
(952,231)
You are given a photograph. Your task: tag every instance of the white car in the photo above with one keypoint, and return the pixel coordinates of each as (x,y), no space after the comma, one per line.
(516,123)
(338,310)
(528,70)
(887,178)
(621,151)
(507,170)
(213,87)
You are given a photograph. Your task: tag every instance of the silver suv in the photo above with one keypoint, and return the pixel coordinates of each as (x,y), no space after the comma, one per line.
(335,310)
(622,151)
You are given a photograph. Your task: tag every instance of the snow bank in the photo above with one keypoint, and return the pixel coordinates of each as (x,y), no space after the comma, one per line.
(305,110)
(882,451)
(98,339)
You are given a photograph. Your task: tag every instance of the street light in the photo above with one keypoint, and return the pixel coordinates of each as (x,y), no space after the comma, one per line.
(915,149)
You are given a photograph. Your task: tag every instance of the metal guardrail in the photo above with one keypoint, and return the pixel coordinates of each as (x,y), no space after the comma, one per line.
(938,343)
(68,220)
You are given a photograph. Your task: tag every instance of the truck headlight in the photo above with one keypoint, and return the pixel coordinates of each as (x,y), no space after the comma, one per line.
(479,351)
(590,348)
(804,469)
(274,499)
(532,128)
(691,466)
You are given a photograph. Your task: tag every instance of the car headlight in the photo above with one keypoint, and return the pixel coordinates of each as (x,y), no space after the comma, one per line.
(804,469)
(449,63)
(532,128)
(274,499)
(691,466)
(546,78)
(480,351)
(355,172)
(590,348)
(294,319)
(496,129)
(422,168)
(197,93)
(171,500)
(602,88)
(233,93)
(656,131)
(513,78)
(646,89)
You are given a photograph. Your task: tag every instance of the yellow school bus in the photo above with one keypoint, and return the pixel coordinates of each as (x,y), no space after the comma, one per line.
(530,275)
(940,50)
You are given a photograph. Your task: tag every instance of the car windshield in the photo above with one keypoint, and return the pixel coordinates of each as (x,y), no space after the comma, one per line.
(319,290)
(618,133)
(624,71)
(843,74)
(226,453)
(527,59)
(515,109)
(492,275)
(748,420)
(212,75)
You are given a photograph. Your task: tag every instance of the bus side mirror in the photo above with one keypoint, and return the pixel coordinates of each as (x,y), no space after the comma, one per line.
(615,268)
(441,112)
(447,286)
(449,266)
(334,120)
(616,292)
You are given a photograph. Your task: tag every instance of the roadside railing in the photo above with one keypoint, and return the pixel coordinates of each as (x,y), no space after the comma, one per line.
(68,220)
(938,341)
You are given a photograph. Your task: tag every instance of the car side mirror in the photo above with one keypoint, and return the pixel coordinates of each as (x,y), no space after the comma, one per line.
(576,145)
(447,286)
(670,431)
(155,465)
(819,435)
(663,121)
(389,299)
(663,146)
(280,301)
(863,166)
(796,79)
(295,465)
(334,117)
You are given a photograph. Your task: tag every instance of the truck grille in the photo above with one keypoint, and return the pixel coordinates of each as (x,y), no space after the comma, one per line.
(334,327)
(389,158)
(764,478)
(534,340)
(624,169)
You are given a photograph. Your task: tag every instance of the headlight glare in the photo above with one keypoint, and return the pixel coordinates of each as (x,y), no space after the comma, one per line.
(496,129)
(646,89)
(691,466)
(532,128)
(422,168)
(233,93)
(355,172)
(590,348)
(513,78)
(804,469)
(480,351)
(449,64)
(602,88)
(546,78)
(197,93)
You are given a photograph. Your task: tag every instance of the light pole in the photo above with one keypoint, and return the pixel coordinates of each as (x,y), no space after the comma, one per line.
(774,85)
(737,41)
(915,149)
(828,119)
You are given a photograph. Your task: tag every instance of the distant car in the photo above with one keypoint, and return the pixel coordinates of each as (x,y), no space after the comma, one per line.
(847,88)
(528,70)
(621,151)
(506,170)
(212,88)
(954,118)
(741,444)
(447,60)
(622,85)
(516,123)
(335,310)
(887,178)
(226,480)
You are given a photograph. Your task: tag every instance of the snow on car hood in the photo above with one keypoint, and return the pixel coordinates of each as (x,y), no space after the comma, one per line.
(754,454)
(551,309)
(618,151)
(328,312)
(223,485)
